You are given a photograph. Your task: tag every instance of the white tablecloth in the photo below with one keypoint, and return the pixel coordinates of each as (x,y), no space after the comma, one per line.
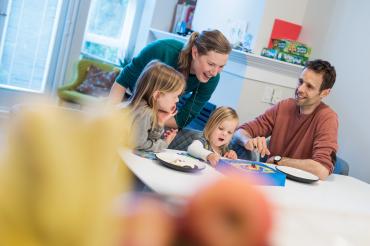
(331,212)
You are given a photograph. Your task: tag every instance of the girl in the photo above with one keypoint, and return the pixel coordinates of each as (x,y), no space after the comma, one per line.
(153,103)
(201,61)
(216,136)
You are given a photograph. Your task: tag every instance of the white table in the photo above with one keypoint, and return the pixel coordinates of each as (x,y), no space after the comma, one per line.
(164,180)
(332,212)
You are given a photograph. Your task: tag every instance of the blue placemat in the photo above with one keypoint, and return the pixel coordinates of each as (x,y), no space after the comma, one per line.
(259,172)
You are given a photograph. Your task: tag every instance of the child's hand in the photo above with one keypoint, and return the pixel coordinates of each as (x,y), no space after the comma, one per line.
(169,135)
(164,116)
(213,158)
(231,154)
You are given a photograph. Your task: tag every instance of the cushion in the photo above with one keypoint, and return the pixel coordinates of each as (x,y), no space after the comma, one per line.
(98,82)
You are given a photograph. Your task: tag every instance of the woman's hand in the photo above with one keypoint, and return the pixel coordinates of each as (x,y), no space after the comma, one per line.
(213,158)
(231,154)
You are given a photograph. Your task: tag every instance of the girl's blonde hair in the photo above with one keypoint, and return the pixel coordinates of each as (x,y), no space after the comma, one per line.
(205,41)
(216,118)
(156,76)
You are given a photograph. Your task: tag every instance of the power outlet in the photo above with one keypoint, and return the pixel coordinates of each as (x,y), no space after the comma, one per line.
(267,94)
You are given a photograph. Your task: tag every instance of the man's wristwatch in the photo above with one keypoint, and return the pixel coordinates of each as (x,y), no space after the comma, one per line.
(277,158)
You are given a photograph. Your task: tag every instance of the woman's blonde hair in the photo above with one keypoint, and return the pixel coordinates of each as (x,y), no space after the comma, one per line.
(216,118)
(205,41)
(156,76)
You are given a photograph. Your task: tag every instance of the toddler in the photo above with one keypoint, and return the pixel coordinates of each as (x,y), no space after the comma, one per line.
(217,135)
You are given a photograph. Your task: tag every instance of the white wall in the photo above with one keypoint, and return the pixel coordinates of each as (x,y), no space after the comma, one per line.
(345,45)
(163,14)
(288,10)
(250,103)
(259,13)
(222,15)
(316,24)
(154,14)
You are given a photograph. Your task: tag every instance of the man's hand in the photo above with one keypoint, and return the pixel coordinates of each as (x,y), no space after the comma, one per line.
(259,144)
(213,158)
(169,135)
(308,165)
(231,154)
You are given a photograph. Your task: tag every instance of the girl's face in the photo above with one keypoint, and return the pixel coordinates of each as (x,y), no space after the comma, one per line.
(207,66)
(223,133)
(166,101)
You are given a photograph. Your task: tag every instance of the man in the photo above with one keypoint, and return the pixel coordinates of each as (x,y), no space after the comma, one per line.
(303,130)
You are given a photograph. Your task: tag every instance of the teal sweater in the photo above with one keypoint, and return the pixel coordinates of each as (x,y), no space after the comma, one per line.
(167,51)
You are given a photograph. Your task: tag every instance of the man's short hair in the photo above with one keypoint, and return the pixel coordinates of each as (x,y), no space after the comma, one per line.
(324,68)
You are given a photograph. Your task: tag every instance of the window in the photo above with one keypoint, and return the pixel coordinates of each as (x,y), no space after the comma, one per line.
(27,33)
(108,22)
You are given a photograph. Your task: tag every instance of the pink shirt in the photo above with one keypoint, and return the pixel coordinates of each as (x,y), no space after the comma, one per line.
(294,135)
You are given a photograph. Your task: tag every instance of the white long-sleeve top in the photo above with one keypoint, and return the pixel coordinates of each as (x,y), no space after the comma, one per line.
(197,149)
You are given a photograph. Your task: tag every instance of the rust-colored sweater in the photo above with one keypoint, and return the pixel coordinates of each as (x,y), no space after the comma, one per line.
(294,135)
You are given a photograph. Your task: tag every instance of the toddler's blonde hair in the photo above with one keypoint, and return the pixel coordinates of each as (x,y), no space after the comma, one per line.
(217,117)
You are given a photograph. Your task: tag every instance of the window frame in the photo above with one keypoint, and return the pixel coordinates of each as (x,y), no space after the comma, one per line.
(121,42)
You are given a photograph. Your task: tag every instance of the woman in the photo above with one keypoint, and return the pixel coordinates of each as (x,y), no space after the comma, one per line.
(200,61)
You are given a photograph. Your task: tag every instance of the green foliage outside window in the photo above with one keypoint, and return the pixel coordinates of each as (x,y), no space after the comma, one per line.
(107,17)
(101,51)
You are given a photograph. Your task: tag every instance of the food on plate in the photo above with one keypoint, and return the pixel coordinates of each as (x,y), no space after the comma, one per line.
(183,161)
(179,161)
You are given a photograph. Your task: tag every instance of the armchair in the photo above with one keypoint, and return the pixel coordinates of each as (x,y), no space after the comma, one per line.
(68,91)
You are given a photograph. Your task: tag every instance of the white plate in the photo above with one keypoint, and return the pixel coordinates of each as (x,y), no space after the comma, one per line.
(297,174)
(180,162)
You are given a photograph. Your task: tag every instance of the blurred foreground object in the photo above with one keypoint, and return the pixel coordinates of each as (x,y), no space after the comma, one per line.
(147,221)
(227,213)
(59,177)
